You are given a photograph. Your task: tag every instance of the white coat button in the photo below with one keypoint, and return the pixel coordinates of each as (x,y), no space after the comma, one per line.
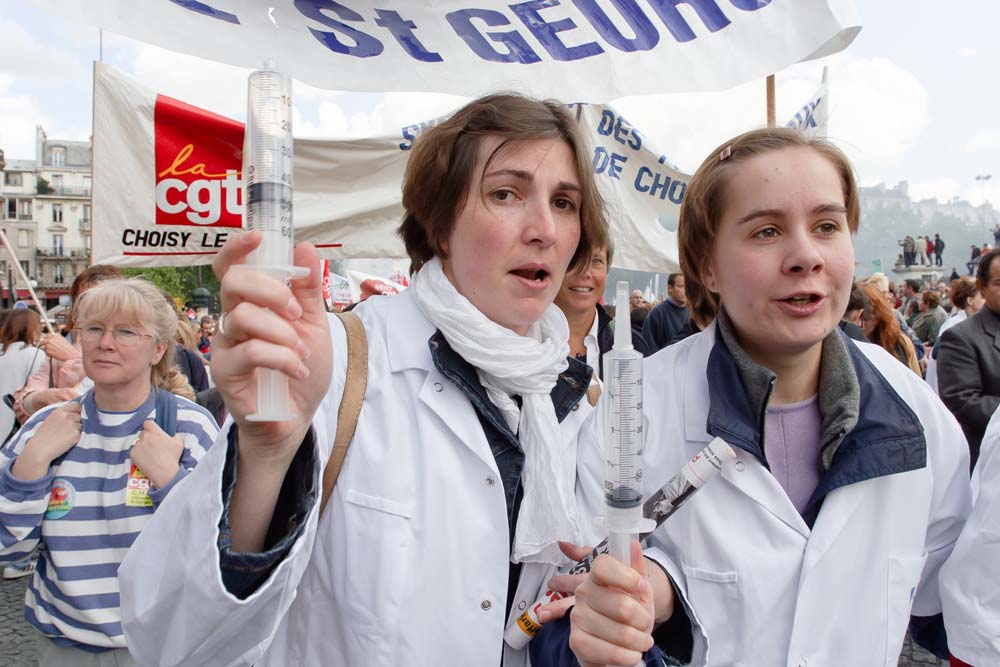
(490,481)
(521,605)
(485,605)
(739,467)
(576,407)
(438,387)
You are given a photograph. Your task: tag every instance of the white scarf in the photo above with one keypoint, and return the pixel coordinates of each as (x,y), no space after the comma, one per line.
(527,366)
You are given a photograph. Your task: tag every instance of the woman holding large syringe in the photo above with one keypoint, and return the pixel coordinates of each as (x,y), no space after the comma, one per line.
(851,484)
(468,427)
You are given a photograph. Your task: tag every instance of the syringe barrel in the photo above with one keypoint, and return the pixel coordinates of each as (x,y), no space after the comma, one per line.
(623,443)
(268,166)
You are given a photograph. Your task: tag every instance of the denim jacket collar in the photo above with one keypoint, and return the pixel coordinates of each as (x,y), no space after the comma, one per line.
(868,430)
(570,387)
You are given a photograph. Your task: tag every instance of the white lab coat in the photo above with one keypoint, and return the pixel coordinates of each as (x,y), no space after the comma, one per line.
(970,580)
(764,589)
(408,566)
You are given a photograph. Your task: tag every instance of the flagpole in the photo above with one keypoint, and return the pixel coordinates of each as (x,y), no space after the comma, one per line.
(24,277)
(769,86)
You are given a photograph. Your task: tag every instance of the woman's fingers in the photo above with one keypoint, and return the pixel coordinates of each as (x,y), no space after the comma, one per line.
(308,291)
(609,572)
(235,251)
(244,358)
(242,284)
(566,583)
(247,321)
(596,640)
(556,610)
(575,552)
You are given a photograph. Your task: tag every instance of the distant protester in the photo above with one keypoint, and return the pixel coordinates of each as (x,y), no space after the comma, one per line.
(83,478)
(667,319)
(20,358)
(968,362)
(881,328)
(932,316)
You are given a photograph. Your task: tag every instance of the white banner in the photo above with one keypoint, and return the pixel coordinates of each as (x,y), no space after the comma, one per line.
(813,118)
(577,51)
(167,187)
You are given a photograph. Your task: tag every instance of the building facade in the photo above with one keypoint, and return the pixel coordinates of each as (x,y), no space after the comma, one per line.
(46,214)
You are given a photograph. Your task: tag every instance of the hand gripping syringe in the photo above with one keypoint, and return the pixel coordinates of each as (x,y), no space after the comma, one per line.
(623,436)
(267,196)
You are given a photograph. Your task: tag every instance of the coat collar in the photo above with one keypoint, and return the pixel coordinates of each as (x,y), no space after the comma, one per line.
(410,350)
(990,323)
(869,431)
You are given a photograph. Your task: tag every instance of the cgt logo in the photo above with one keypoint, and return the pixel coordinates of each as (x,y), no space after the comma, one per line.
(199,156)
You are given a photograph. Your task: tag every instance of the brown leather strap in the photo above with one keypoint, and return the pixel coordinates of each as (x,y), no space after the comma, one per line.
(593,393)
(350,402)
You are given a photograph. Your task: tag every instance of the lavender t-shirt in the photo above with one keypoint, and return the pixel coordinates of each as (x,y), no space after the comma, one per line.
(791,445)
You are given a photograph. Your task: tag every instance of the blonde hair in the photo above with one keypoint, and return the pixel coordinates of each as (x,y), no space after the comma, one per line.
(140,302)
(877,279)
(702,208)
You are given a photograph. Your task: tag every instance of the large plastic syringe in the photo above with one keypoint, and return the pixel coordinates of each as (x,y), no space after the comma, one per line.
(267,178)
(623,435)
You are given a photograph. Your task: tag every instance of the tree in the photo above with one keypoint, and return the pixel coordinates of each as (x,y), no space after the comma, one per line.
(179,281)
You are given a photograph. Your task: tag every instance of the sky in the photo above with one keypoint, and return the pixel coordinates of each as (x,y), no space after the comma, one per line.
(913,98)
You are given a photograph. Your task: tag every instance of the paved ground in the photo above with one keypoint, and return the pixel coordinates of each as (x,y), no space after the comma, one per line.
(17,647)
(16,639)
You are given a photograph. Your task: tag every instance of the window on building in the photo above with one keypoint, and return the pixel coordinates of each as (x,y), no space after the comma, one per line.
(57,213)
(11,209)
(57,155)
(57,245)
(12,178)
(86,185)
(23,238)
(25,267)
(25,212)
(57,183)
(86,213)
(57,274)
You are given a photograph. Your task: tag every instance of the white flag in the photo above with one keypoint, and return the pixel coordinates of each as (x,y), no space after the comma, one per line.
(575,51)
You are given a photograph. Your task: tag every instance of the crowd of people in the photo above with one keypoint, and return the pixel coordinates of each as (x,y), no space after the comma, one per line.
(172,527)
(922,251)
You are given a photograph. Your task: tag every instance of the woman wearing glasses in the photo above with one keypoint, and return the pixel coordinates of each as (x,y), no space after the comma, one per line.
(83,478)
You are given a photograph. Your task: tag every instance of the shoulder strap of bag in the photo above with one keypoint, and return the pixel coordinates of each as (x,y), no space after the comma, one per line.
(350,402)
(166,412)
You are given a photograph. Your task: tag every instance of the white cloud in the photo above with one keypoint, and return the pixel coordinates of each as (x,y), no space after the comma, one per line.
(23,56)
(19,114)
(984,139)
(967,52)
(878,110)
(942,189)
(975,192)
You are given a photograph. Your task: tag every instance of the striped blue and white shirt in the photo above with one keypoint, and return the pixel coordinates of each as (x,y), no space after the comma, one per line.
(85,513)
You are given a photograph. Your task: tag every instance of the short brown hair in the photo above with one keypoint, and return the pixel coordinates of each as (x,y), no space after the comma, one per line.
(962,289)
(440,170)
(931,298)
(702,208)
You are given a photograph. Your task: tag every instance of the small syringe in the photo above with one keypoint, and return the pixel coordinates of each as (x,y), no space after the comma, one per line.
(623,435)
(267,177)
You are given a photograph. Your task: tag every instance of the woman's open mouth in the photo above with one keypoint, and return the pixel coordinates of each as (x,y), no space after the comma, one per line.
(533,277)
(802,304)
